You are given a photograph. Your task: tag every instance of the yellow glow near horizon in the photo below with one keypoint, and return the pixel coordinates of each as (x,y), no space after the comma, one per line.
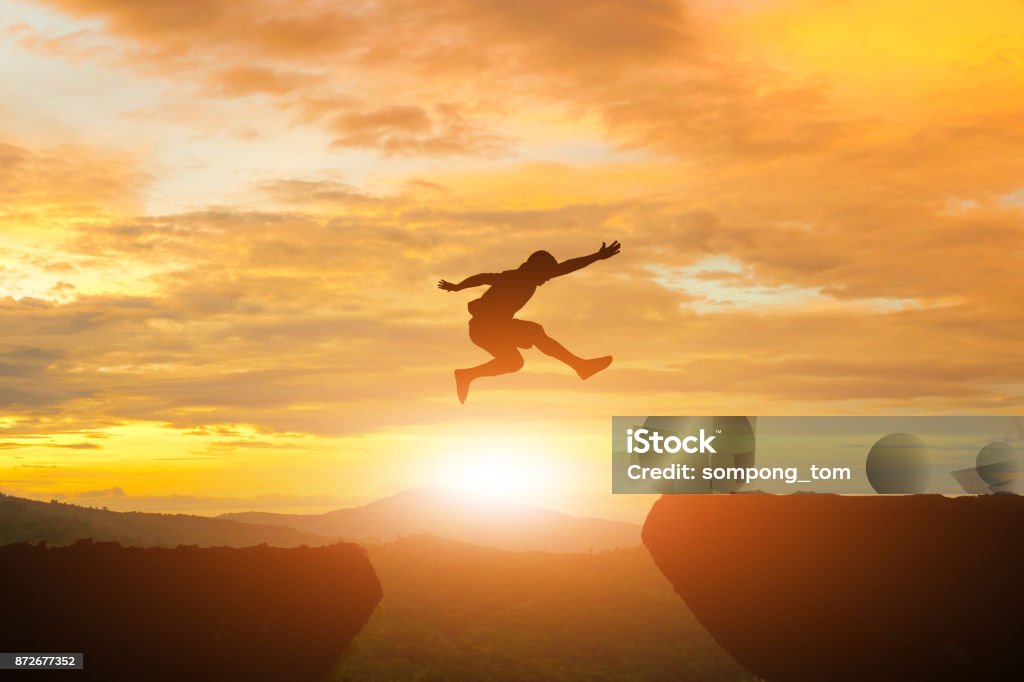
(502,467)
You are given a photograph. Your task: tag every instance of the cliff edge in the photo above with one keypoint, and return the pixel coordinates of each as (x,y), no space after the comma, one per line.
(815,587)
(259,613)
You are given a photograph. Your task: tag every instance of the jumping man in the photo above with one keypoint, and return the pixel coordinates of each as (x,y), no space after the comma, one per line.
(494,327)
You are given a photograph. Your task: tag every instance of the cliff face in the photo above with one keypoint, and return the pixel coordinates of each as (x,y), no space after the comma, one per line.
(260,613)
(820,587)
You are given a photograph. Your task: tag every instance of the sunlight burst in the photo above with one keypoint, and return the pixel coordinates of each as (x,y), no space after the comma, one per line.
(507,470)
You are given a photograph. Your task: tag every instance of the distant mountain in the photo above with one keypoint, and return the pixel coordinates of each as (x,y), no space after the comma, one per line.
(484,522)
(24,520)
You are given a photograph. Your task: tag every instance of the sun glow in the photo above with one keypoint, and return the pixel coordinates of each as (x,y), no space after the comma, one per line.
(508,470)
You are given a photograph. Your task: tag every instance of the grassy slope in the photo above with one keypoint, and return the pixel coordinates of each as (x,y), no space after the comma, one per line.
(460,612)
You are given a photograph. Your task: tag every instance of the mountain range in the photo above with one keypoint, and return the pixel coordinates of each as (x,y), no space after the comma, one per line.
(453,516)
(56,523)
(457,516)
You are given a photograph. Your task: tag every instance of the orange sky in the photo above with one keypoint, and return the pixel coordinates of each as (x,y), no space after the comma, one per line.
(222,224)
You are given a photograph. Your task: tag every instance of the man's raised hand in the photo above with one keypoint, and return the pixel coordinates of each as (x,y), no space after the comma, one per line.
(447,286)
(607,251)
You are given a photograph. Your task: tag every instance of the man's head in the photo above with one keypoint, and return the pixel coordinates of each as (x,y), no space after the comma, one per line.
(540,265)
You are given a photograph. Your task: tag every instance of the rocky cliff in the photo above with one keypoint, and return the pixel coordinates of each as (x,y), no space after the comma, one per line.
(259,613)
(820,587)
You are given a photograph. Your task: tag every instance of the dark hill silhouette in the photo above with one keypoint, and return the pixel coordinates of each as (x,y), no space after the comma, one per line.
(484,522)
(188,613)
(820,587)
(453,611)
(24,520)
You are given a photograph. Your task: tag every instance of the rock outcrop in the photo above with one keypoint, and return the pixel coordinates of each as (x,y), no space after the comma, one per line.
(258,613)
(820,587)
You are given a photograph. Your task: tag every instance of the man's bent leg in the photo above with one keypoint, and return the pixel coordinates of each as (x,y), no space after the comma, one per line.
(506,363)
(585,368)
(548,346)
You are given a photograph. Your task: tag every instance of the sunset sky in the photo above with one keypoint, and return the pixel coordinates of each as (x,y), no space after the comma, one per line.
(222,223)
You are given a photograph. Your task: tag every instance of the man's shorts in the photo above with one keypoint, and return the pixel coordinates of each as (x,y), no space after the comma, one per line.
(498,336)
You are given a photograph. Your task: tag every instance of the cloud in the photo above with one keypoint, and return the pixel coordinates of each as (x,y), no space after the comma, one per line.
(106,492)
(386,72)
(312,194)
(410,130)
(242,81)
(441,33)
(67,180)
(676,79)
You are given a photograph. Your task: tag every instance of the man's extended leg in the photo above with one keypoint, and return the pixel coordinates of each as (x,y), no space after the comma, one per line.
(505,363)
(585,368)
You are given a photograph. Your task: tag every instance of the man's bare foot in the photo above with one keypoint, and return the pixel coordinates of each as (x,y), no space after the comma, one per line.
(589,368)
(462,380)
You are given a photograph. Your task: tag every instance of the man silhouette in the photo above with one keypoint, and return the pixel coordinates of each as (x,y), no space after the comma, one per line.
(494,327)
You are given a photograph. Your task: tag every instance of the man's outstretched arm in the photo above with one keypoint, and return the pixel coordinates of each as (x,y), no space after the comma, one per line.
(474,281)
(574,264)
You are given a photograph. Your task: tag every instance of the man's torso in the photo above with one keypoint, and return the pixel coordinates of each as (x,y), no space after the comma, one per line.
(505,297)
